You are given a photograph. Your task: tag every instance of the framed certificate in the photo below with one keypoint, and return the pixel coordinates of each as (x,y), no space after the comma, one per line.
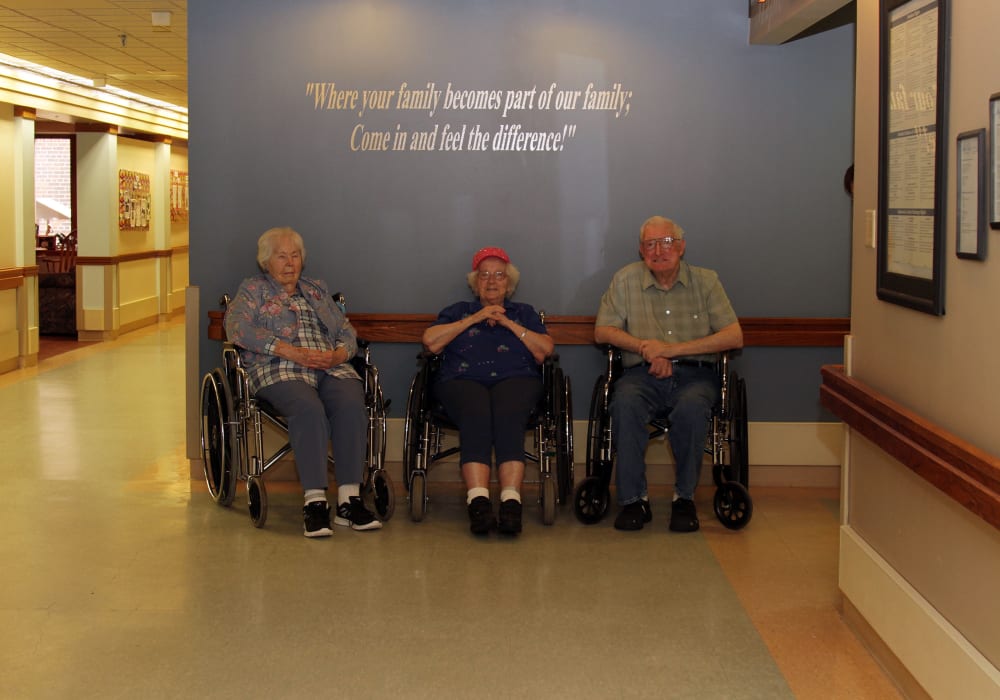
(995,161)
(970,195)
(913,94)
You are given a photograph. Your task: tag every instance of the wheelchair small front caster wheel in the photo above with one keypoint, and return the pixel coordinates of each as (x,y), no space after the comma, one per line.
(382,495)
(591,500)
(257,500)
(733,506)
(418,496)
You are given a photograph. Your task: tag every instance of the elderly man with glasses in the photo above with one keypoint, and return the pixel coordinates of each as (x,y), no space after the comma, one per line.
(670,319)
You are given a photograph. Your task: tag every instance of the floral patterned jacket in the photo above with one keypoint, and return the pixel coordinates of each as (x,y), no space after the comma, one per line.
(260,315)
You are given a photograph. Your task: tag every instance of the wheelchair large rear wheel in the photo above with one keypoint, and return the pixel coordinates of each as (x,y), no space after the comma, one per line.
(741,438)
(737,465)
(548,500)
(257,500)
(418,496)
(218,440)
(376,431)
(563,414)
(413,426)
(599,451)
(379,495)
(733,505)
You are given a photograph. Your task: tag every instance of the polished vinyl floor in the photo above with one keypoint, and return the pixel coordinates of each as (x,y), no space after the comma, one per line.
(121,579)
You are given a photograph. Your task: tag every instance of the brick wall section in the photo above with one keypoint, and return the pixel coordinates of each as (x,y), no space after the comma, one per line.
(52,176)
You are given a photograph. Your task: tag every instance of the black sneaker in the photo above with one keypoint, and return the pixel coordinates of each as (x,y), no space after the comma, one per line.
(683,516)
(481,519)
(510,517)
(354,515)
(634,515)
(316,519)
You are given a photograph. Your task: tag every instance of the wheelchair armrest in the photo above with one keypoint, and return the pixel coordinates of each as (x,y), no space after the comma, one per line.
(428,362)
(613,360)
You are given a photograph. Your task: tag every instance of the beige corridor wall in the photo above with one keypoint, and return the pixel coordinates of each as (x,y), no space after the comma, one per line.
(944,369)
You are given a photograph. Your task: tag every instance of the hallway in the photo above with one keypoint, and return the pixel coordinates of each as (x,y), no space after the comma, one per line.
(123,579)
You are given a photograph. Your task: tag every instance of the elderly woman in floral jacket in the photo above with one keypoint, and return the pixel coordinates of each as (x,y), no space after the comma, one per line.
(296,344)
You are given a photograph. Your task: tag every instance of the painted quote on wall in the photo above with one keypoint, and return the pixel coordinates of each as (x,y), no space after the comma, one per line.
(466,131)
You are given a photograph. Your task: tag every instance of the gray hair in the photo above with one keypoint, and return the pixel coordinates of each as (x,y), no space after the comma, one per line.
(513,277)
(269,239)
(678,232)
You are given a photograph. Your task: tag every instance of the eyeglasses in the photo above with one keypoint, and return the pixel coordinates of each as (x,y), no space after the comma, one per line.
(666,243)
(499,275)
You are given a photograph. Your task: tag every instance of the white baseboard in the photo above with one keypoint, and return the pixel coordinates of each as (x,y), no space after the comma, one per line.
(781,454)
(932,651)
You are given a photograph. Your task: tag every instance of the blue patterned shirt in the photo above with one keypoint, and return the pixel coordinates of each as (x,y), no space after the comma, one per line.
(485,353)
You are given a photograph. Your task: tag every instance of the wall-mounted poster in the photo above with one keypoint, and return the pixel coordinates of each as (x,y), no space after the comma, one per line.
(970,195)
(178,195)
(912,148)
(133,201)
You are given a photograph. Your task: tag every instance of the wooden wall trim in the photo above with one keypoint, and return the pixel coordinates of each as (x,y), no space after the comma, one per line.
(13,277)
(11,282)
(7,273)
(962,471)
(579,330)
(129,257)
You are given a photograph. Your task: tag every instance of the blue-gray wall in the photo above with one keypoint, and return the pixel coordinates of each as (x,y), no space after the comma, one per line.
(745,146)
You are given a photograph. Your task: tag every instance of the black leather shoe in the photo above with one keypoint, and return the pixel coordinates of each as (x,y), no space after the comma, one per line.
(634,516)
(510,517)
(683,516)
(481,519)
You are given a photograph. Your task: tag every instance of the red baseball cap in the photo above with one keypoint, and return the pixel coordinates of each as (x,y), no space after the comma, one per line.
(484,253)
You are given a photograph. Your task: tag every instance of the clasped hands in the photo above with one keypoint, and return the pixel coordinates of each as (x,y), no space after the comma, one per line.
(652,351)
(493,315)
(315,359)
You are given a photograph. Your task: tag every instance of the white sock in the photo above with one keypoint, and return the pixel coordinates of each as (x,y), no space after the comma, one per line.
(345,492)
(313,495)
(510,493)
(476,493)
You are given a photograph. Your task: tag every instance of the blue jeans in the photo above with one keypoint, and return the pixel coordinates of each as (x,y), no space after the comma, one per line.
(685,399)
(335,410)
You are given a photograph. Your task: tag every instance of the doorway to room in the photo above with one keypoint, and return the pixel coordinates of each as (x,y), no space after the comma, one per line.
(56,242)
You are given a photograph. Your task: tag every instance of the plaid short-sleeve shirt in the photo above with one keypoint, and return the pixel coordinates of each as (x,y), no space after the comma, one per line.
(694,307)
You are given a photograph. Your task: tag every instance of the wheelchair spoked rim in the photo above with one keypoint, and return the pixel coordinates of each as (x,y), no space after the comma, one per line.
(218,439)
(564,437)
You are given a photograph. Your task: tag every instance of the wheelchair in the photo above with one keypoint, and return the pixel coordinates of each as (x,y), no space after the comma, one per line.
(551,422)
(727,442)
(232,434)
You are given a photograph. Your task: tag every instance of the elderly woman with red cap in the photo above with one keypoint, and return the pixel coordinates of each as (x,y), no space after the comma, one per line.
(489,381)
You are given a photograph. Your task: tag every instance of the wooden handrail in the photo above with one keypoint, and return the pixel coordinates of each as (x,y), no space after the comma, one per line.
(965,473)
(579,330)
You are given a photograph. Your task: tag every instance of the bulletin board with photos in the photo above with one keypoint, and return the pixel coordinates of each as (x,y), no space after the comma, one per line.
(179,206)
(134,201)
